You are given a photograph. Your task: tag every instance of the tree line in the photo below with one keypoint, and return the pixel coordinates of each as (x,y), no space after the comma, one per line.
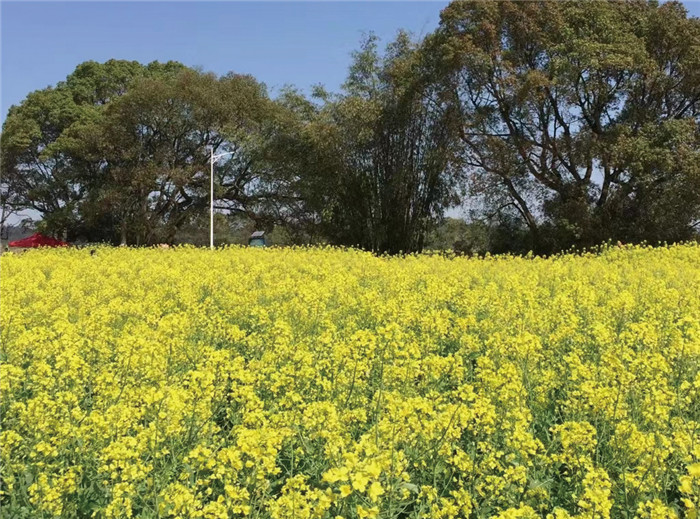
(556,124)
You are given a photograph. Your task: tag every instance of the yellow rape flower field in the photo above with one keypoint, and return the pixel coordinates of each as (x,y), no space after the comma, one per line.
(323,383)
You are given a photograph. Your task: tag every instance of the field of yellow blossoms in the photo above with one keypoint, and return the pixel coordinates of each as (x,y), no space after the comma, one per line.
(323,383)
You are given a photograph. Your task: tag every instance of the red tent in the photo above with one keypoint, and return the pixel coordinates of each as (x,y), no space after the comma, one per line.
(38,240)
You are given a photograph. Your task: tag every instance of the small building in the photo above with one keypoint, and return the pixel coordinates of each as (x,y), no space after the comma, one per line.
(257,239)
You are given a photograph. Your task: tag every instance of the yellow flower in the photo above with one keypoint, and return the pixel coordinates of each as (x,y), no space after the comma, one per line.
(334,475)
(359,481)
(375,490)
(367,513)
(203,384)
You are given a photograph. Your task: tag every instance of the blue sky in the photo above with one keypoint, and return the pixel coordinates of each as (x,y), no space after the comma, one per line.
(300,43)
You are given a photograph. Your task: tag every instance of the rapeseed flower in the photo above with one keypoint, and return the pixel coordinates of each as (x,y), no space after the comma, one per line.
(319,383)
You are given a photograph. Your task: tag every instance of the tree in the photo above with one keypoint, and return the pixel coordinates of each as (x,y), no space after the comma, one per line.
(579,118)
(120,151)
(154,144)
(377,170)
(34,168)
(294,170)
(43,165)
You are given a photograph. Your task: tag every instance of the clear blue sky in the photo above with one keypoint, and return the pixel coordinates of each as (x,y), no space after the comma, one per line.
(300,43)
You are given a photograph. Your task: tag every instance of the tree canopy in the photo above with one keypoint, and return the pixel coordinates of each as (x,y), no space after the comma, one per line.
(120,150)
(558,124)
(579,118)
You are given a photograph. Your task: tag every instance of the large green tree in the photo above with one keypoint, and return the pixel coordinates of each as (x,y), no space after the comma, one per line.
(43,167)
(580,118)
(375,168)
(154,143)
(120,151)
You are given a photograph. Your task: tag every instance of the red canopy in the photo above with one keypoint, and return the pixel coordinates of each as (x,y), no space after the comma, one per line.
(38,240)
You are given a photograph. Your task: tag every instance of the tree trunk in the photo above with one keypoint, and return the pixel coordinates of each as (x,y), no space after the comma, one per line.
(122,242)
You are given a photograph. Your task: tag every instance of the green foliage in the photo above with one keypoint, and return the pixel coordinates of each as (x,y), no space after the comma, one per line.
(579,118)
(375,158)
(119,151)
(561,124)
